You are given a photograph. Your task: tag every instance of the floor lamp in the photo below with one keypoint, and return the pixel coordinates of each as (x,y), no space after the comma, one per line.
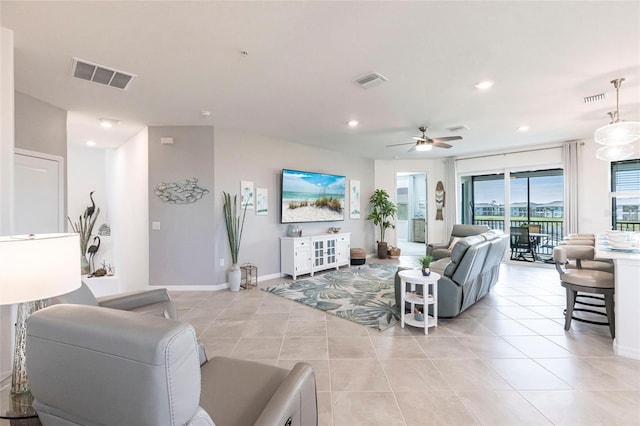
(33,268)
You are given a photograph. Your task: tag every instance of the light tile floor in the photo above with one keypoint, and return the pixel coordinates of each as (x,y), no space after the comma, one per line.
(505,361)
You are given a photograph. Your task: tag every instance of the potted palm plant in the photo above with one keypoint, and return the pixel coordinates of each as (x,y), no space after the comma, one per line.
(382,214)
(425,262)
(235,225)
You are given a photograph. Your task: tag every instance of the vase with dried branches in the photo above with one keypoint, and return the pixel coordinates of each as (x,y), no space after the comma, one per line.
(84,227)
(235,225)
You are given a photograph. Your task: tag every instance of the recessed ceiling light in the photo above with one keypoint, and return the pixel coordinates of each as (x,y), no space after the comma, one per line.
(483,85)
(523,128)
(353,123)
(108,122)
(91,143)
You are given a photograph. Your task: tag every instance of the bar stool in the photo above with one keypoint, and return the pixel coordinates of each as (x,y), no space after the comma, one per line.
(585,281)
(582,235)
(598,265)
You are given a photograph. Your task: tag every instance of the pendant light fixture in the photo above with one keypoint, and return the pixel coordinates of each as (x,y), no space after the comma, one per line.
(617,132)
(614,152)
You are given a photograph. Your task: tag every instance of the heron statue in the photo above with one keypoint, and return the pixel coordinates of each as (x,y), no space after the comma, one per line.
(92,250)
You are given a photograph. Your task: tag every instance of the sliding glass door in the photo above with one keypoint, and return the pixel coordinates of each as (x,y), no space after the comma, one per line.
(537,198)
(533,198)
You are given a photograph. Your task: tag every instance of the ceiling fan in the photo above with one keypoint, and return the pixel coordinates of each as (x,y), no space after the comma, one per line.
(424,143)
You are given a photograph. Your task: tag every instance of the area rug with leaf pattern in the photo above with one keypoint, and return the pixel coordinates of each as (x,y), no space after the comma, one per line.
(363,294)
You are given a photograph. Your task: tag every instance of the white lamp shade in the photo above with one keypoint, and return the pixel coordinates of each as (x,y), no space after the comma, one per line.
(423,146)
(614,153)
(38,266)
(619,133)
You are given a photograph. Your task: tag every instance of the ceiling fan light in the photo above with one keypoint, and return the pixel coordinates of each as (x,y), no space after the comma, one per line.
(618,133)
(484,85)
(423,146)
(108,122)
(614,152)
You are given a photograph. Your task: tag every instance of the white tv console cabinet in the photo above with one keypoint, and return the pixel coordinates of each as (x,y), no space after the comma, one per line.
(306,255)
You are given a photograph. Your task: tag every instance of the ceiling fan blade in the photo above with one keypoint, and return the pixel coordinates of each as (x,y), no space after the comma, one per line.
(420,138)
(447,138)
(399,144)
(413,148)
(441,145)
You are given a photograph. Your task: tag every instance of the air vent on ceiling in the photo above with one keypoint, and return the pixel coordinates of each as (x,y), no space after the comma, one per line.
(100,74)
(594,98)
(457,128)
(370,80)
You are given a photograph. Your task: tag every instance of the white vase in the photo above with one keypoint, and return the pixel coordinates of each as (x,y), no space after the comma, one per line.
(234,277)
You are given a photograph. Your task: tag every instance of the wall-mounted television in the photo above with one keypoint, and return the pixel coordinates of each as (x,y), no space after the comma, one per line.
(312,197)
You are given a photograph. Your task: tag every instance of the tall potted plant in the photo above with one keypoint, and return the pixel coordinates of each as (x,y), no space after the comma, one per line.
(382,213)
(235,225)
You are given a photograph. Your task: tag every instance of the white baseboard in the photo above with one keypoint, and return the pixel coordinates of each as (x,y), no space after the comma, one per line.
(270,277)
(212,287)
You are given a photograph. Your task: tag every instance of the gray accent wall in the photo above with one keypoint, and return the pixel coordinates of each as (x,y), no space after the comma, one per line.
(182,251)
(40,127)
(251,157)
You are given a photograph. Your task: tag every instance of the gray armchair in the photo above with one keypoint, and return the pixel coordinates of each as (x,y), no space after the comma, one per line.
(89,365)
(440,251)
(151,302)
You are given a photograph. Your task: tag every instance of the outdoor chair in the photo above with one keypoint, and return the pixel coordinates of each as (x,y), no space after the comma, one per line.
(521,244)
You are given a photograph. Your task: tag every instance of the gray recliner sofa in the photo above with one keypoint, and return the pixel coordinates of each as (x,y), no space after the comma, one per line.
(459,231)
(89,365)
(468,275)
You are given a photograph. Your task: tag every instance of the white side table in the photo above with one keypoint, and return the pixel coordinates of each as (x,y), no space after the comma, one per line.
(429,296)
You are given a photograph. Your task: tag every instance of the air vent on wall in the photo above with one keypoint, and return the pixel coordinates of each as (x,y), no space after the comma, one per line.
(370,80)
(594,98)
(100,74)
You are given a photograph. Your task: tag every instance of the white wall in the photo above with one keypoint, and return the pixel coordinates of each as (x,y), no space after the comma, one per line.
(6,178)
(594,204)
(385,178)
(127,172)
(532,159)
(86,172)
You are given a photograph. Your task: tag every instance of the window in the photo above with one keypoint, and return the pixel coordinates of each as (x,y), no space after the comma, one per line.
(487,199)
(625,195)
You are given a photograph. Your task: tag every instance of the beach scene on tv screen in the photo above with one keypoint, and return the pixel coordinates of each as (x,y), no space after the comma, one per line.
(312,197)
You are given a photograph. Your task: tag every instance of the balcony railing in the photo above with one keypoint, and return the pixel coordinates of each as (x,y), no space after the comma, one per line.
(553,229)
(628,226)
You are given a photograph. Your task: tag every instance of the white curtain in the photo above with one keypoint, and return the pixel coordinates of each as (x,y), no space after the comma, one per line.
(571,174)
(451,190)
